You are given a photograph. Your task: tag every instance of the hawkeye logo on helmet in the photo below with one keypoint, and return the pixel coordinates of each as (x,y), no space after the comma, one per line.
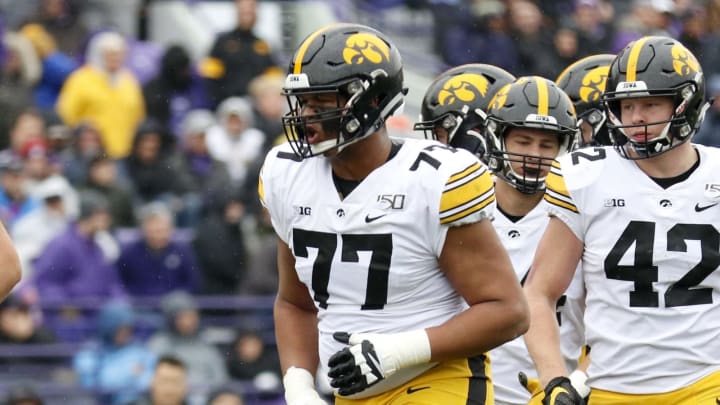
(593,84)
(364,47)
(499,99)
(684,63)
(463,88)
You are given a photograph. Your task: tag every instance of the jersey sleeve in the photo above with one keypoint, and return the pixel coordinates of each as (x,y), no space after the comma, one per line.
(560,201)
(468,195)
(268,185)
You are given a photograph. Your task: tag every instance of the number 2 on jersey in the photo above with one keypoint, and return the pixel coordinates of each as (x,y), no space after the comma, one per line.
(380,246)
(643,273)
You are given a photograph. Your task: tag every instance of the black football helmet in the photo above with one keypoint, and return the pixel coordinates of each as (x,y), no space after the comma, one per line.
(457,100)
(656,66)
(528,102)
(584,82)
(357,64)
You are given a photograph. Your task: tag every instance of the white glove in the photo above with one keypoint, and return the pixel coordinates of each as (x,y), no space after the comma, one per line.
(373,357)
(300,388)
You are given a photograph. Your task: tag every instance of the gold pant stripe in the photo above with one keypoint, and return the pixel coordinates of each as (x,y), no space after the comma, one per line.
(703,392)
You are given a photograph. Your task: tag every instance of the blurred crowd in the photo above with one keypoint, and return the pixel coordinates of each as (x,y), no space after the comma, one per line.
(129,170)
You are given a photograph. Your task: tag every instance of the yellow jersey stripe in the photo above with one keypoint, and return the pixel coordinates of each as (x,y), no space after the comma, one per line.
(542,90)
(460,175)
(297,69)
(562,204)
(633,59)
(468,211)
(556,183)
(462,194)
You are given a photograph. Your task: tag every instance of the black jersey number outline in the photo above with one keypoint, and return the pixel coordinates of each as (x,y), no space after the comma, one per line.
(588,154)
(380,246)
(425,157)
(643,273)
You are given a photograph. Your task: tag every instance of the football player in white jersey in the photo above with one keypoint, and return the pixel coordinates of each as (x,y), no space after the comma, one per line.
(642,217)
(529,123)
(454,110)
(392,278)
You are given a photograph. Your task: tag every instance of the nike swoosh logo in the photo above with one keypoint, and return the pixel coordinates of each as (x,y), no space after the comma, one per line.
(698,208)
(717,400)
(412,390)
(369,219)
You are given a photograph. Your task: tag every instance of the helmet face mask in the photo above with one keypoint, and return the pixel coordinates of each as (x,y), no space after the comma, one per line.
(536,104)
(441,128)
(313,111)
(453,108)
(355,65)
(655,67)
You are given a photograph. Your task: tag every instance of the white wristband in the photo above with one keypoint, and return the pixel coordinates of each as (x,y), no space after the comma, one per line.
(417,348)
(300,387)
(577,380)
(405,349)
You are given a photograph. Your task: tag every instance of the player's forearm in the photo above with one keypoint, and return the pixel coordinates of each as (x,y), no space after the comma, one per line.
(543,339)
(9,264)
(297,336)
(480,328)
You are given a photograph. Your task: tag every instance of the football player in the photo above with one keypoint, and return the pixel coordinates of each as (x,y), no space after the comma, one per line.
(584,82)
(529,123)
(453,108)
(392,278)
(642,217)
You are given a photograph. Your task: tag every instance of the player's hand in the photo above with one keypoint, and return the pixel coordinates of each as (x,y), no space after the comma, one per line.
(300,388)
(534,387)
(370,358)
(560,391)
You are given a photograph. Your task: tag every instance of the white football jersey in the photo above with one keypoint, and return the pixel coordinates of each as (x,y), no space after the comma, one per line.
(370,260)
(520,240)
(649,265)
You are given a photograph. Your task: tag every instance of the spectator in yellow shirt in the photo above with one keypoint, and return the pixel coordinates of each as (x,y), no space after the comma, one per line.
(105,93)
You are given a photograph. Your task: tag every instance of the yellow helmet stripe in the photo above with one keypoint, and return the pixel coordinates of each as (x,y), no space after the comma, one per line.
(542,90)
(567,70)
(297,69)
(633,59)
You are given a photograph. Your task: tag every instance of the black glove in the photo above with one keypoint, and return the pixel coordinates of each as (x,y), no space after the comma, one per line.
(560,391)
(354,368)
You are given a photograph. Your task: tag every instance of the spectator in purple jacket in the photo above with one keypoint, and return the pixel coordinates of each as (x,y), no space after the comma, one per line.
(156,264)
(73,264)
